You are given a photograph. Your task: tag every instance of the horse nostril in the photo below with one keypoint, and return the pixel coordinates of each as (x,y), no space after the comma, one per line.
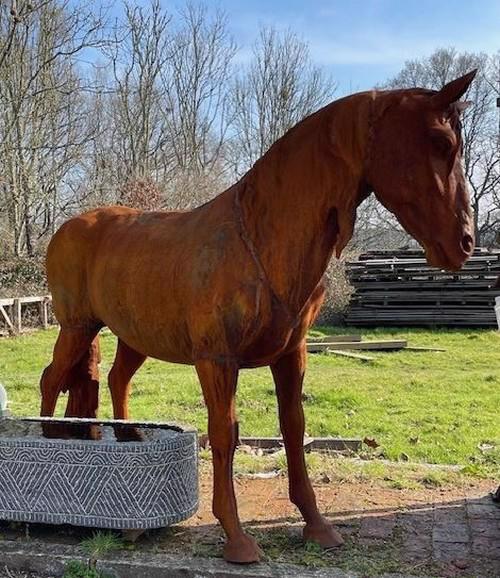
(467,244)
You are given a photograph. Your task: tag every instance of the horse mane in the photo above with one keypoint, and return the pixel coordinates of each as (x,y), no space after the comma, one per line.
(390,96)
(313,118)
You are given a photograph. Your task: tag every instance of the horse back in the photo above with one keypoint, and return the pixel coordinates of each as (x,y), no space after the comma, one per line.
(72,255)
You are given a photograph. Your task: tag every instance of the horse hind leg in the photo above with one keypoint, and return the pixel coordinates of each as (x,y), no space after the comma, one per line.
(70,347)
(82,384)
(127,362)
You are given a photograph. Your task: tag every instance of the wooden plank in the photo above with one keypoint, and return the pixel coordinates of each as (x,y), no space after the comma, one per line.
(268,443)
(368,345)
(422,323)
(369,308)
(30,299)
(44,313)
(334,338)
(318,444)
(36,299)
(406,315)
(431,295)
(337,444)
(358,356)
(17,315)
(415,253)
(10,325)
(415,348)
(265,443)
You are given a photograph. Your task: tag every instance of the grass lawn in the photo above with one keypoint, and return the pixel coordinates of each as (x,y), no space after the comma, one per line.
(421,406)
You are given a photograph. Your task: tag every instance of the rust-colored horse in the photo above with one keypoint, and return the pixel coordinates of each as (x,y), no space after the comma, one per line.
(236,282)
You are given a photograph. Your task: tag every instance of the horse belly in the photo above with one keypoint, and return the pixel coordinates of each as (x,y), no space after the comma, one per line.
(167,347)
(153,327)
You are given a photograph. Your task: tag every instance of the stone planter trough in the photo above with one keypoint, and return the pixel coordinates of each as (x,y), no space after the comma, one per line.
(106,484)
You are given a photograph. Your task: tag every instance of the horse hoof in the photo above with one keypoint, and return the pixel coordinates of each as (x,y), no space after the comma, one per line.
(244,550)
(83,432)
(94,433)
(54,431)
(323,534)
(128,434)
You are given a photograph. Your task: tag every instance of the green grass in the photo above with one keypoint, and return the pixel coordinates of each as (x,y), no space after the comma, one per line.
(332,468)
(101,543)
(76,569)
(421,406)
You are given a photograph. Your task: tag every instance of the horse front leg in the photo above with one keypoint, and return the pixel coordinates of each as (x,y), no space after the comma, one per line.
(218,381)
(288,373)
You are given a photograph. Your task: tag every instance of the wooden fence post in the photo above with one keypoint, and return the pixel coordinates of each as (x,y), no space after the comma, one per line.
(17,315)
(44,313)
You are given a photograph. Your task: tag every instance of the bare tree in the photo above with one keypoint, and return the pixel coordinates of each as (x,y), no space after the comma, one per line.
(197,87)
(42,119)
(280,87)
(139,54)
(167,113)
(9,21)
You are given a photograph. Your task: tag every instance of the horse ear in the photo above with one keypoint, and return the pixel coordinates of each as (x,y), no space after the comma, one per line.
(452,91)
(463,105)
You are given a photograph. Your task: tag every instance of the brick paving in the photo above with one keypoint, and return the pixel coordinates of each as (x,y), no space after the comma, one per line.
(461,538)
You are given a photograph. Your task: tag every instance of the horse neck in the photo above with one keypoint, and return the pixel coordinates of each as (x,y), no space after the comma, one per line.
(298,203)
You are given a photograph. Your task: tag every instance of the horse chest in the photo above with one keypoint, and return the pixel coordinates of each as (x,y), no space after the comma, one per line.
(280,335)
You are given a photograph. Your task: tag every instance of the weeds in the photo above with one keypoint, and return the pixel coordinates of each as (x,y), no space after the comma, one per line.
(99,545)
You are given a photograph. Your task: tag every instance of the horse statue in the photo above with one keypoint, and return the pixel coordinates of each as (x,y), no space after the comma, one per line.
(237,282)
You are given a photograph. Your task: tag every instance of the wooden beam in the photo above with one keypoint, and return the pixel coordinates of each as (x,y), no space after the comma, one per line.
(6,302)
(10,325)
(321,444)
(414,348)
(44,313)
(337,444)
(368,345)
(334,338)
(365,358)
(17,315)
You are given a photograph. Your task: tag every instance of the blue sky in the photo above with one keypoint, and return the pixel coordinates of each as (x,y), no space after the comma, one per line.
(363,42)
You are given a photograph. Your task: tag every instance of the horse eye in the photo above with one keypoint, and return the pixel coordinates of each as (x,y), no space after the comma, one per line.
(443,145)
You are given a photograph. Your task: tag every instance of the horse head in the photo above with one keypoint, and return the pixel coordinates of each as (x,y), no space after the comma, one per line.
(414,168)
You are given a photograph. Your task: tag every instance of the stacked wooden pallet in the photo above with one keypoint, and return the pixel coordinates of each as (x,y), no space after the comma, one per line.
(401,289)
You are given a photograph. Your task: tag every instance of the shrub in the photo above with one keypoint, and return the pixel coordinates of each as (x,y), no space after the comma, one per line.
(22,276)
(338,293)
